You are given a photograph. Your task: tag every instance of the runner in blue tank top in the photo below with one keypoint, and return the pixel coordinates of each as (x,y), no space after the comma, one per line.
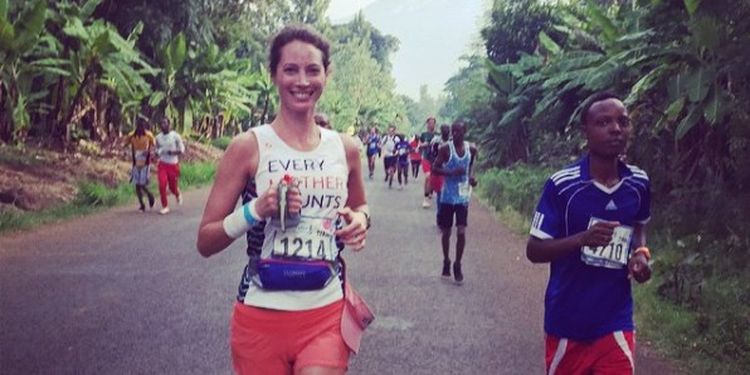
(590,226)
(373,149)
(455,161)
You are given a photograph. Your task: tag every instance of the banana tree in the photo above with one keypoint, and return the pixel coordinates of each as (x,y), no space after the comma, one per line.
(171,96)
(267,101)
(25,54)
(219,84)
(101,57)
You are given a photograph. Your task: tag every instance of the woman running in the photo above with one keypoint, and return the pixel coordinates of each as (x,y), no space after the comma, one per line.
(288,315)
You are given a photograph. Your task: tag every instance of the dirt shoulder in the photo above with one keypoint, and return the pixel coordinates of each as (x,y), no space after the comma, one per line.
(34,178)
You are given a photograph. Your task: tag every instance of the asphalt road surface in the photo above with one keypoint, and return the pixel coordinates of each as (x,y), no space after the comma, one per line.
(121,292)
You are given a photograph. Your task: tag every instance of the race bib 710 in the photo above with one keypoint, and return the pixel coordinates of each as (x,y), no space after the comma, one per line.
(613,255)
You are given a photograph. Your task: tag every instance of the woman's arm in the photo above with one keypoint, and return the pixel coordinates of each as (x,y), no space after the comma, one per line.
(235,168)
(355,212)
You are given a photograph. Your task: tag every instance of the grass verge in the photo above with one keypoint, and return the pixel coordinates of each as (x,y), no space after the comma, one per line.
(94,196)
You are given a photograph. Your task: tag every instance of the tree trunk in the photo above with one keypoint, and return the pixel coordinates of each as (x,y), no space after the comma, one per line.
(263,119)
(64,125)
(4,118)
(11,102)
(101,99)
(53,117)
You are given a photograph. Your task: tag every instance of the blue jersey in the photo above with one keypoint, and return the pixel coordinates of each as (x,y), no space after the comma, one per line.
(456,189)
(402,150)
(584,300)
(373,144)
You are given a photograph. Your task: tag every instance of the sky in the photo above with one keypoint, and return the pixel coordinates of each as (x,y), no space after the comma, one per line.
(342,9)
(433,35)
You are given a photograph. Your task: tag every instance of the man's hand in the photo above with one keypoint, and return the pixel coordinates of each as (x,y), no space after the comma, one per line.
(600,234)
(472,181)
(639,269)
(457,172)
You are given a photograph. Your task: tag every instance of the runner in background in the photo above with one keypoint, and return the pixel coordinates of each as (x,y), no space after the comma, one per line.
(373,149)
(402,150)
(590,226)
(141,142)
(436,181)
(322,120)
(169,147)
(415,157)
(390,158)
(454,164)
(425,141)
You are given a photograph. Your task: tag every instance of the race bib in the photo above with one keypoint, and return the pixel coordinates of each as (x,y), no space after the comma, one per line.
(464,190)
(613,255)
(311,238)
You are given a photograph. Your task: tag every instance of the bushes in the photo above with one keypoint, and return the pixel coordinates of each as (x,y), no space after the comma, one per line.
(197,174)
(98,195)
(221,143)
(518,187)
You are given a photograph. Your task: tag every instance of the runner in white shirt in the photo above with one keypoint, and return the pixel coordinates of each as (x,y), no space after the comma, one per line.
(169,147)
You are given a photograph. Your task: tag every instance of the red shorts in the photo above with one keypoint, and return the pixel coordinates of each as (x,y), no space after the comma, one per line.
(282,342)
(426,166)
(436,182)
(611,354)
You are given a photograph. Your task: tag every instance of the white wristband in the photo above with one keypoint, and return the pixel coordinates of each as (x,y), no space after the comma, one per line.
(241,220)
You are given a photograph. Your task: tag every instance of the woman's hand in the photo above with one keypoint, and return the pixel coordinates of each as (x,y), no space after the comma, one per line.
(354,233)
(268,202)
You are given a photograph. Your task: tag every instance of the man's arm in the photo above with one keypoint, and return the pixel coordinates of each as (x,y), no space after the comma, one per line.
(439,163)
(151,144)
(548,250)
(638,265)
(180,146)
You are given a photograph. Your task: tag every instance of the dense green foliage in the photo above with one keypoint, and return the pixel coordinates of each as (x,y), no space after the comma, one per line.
(84,69)
(681,66)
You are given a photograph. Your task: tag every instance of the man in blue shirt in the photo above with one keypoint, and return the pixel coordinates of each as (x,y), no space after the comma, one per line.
(590,226)
(373,149)
(454,163)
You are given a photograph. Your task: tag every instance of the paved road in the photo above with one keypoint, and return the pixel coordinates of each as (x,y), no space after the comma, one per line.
(127,293)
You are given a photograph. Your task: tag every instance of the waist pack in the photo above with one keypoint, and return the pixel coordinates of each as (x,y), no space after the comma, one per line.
(293,274)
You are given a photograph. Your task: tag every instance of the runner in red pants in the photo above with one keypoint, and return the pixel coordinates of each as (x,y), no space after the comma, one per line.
(169,147)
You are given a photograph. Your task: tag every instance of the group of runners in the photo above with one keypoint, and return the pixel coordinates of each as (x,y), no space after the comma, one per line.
(446,160)
(303,203)
(167,146)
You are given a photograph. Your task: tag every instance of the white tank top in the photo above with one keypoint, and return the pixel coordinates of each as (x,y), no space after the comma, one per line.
(323,175)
